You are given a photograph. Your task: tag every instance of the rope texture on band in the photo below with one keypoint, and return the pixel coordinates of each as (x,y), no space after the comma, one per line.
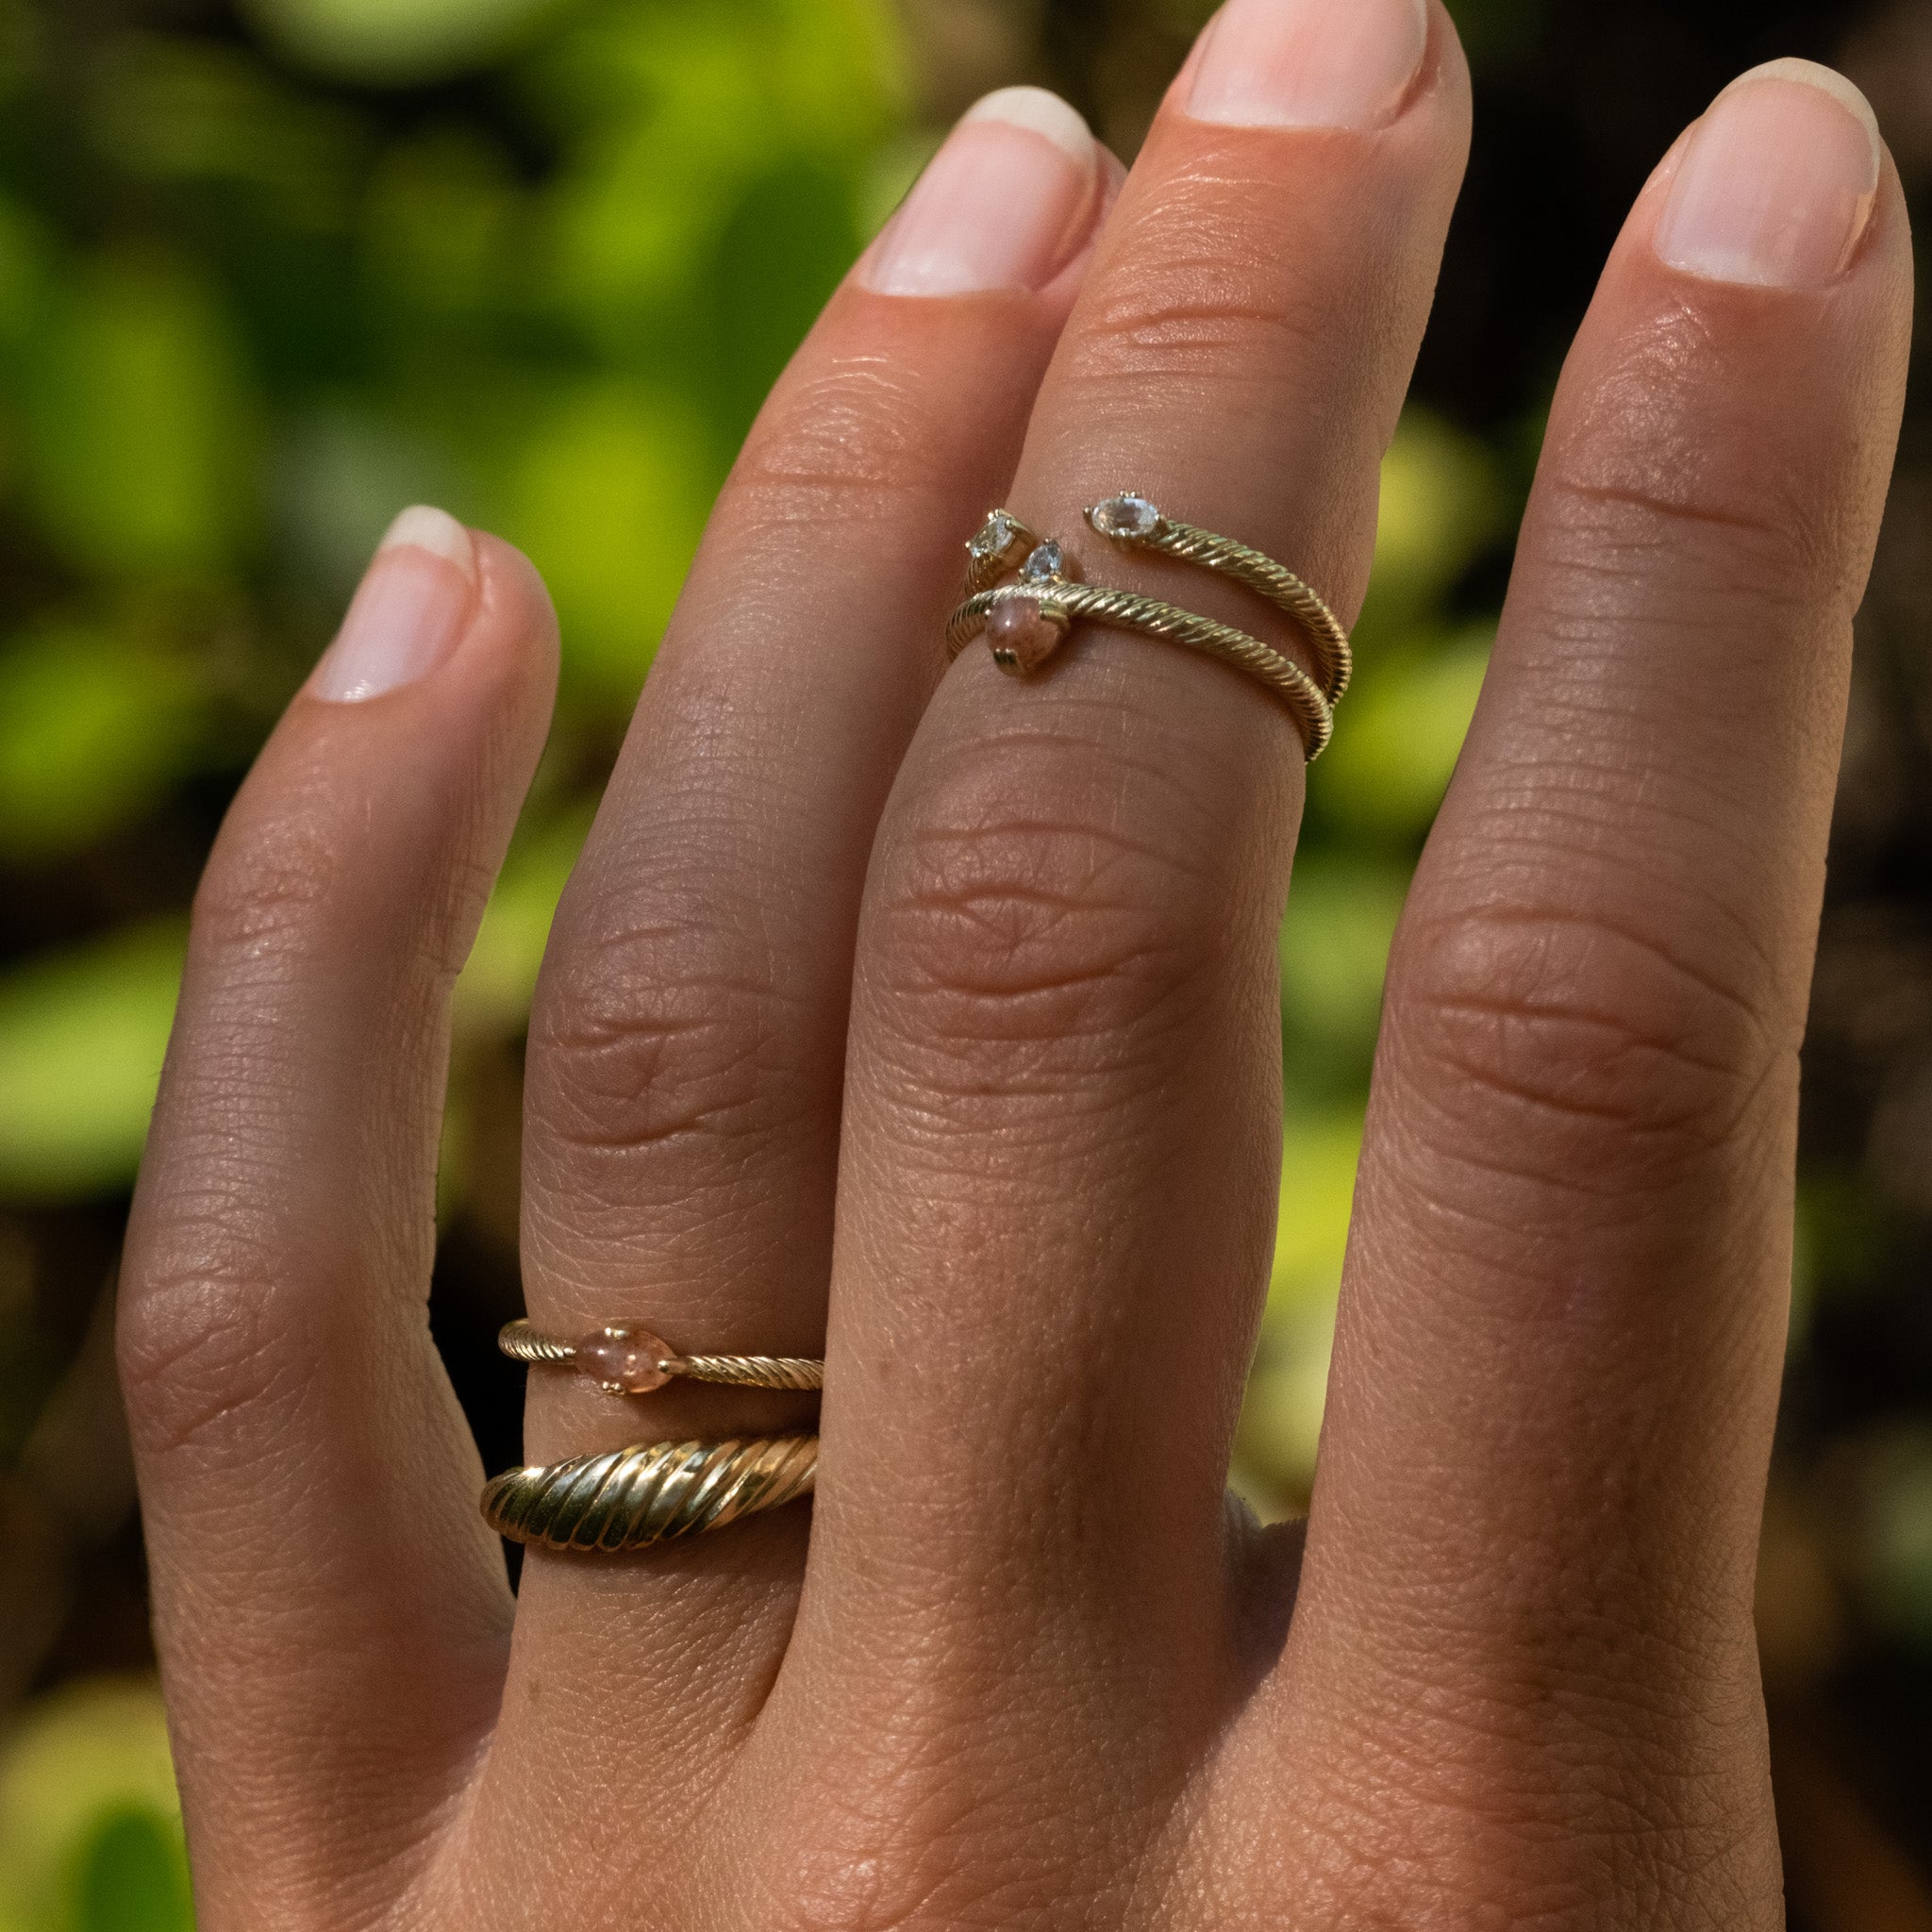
(753,1370)
(1148,615)
(633,1498)
(522,1343)
(1273,581)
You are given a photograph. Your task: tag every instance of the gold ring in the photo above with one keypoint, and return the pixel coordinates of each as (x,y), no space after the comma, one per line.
(1130,519)
(632,1498)
(1025,624)
(624,1360)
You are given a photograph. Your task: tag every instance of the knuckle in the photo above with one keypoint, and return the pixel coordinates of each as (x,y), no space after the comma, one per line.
(297,887)
(200,1359)
(1616,1056)
(1659,456)
(834,441)
(656,1031)
(267,896)
(1017,922)
(1205,308)
(1198,314)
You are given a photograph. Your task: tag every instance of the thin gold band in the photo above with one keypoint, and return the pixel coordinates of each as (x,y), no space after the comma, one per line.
(1132,521)
(632,1498)
(524,1344)
(1063,602)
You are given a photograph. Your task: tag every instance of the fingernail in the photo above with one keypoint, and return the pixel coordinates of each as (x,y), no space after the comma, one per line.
(1005,204)
(1776,182)
(407,613)
(1309,63)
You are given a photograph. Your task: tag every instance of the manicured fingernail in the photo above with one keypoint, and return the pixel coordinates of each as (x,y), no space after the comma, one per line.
(1006,203)
(1309,63)
(408,611)
(1776,182)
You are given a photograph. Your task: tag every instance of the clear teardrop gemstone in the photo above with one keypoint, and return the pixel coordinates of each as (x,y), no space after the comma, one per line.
(1045,563)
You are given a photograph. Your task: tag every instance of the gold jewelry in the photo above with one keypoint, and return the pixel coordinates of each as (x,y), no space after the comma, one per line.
(1025,623)
(1003,541)
(624,1360)
(1131,520)
(632,1498)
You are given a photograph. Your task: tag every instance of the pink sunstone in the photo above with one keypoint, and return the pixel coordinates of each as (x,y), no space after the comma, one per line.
(625,1360)
(1021,637)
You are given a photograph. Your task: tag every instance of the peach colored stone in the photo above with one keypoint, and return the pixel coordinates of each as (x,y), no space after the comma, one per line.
(1021,638)
(625,1360)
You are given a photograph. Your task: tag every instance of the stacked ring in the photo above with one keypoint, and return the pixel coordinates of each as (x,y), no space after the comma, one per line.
(1025,623)
(628,1499)
(624,1360)
(632,1498)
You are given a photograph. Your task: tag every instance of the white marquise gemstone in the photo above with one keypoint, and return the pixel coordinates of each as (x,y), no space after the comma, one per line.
(1129,515)
(996,535)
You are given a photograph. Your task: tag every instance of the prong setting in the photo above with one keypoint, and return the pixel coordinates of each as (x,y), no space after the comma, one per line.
(1128,518)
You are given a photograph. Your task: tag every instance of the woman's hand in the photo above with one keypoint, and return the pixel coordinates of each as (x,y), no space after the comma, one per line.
(931,1020)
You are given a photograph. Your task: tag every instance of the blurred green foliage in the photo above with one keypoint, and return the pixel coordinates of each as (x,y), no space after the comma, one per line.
(90,1825)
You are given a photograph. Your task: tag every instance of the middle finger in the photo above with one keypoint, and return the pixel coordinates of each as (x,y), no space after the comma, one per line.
(1062,1099)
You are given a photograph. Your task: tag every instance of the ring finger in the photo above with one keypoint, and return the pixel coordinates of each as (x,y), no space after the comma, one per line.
(684,1067)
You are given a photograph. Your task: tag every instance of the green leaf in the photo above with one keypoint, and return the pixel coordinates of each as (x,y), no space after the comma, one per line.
(492,993)
(1401,733)
(387,41)
(1341,917)
(670,112)
(91,1752)
(791,237)
(609,499)
(132,1876)
(1281,1416)
(141,435)
(93,728)
(1442,503)
(82,1037)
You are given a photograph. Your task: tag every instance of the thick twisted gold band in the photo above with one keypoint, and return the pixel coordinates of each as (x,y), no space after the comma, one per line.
(624,1360)
(1025,623)
(632,1498)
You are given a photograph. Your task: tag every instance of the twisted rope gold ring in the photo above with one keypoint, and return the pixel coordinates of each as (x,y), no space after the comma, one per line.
(1025,624)
(633,1498)
(624,1360)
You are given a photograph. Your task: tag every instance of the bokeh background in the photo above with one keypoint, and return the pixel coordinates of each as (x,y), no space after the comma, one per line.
(271,270)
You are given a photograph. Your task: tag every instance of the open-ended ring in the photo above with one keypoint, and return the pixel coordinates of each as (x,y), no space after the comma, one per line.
(624,1360)
(1025,623)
